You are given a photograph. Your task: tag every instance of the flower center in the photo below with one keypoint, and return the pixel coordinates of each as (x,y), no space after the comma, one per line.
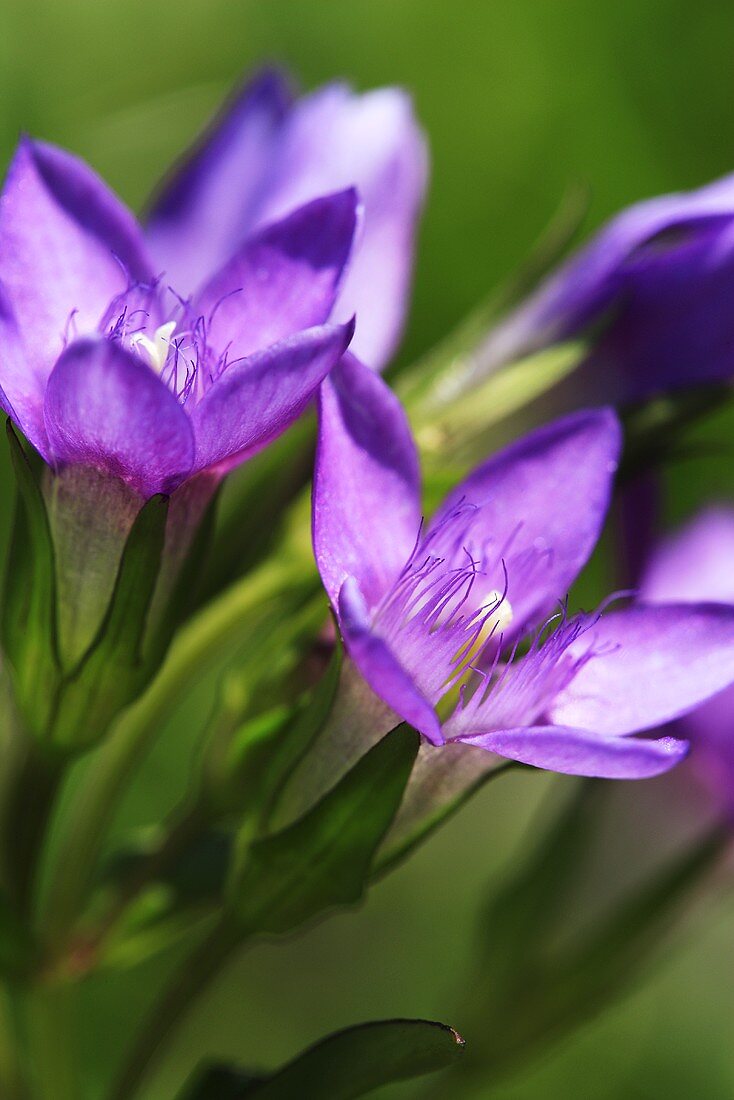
(496,622)
(155,350)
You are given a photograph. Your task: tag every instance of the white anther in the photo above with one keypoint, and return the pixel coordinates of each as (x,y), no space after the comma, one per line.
(155,351)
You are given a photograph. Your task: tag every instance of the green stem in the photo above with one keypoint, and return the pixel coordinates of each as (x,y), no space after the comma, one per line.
(192,979)
(26,816)
(201,644)
(13,1085)
(51,1017)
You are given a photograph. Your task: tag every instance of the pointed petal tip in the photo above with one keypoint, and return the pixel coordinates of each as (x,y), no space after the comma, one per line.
(575,751)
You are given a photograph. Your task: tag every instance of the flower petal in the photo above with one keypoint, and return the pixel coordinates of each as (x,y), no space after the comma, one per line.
(333,139)
(257,399)
(366,497)
(696,563)
(540,506)
(206,208)
(67,247)
(284,279)
(579,752)
(665,266)
(106,408)
(380,667)
(653,663)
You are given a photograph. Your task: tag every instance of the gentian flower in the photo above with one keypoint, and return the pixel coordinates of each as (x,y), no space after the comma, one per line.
(102,365)
(696,564)
(453,624)
(652,290)
(268,154)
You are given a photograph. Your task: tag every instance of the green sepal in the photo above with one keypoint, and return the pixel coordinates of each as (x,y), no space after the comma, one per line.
(29,626)
(114,670)
(343,1066)
(323,859)
(245,771)
(184,597)
(400,847)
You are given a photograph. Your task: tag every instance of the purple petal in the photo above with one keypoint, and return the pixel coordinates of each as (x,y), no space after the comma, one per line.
(284,279)
(257,399)
(366,497)
(67,247)
(334,139)
(710,728)
(579,752)
(651,664)
(105,408)
(206,208)
(380,667)
(695,564)
(663,270)
(540,506)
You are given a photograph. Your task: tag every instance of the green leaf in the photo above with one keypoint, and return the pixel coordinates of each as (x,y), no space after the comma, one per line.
(29,629)
(324,858)
(113,671)
(343,1066)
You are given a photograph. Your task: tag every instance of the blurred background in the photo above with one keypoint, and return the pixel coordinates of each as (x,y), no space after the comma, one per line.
(519,100)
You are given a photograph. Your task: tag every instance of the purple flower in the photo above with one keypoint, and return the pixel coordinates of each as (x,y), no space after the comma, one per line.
(102,364)
(656,282)
(695,564)
(457,624)
(266,155)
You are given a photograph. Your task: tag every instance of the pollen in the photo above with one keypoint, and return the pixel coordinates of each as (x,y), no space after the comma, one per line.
(155,350)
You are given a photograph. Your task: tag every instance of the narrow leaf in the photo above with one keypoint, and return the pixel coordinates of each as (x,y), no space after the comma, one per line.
(29,596)
(345,1065)
(324,858)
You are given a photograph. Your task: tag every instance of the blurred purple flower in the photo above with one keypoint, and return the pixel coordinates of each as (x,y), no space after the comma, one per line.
(103,365)
(267,154)
(697,564)
(453,624)
(656,282)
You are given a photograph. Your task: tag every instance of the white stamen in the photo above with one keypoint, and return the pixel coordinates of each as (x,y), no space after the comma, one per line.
(495,624)
(155,351)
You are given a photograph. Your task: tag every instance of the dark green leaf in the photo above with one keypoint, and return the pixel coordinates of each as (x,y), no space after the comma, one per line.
(344,1066)
(29,596)
(323,859)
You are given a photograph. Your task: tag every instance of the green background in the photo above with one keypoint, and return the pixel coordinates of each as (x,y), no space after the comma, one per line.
(519,100)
